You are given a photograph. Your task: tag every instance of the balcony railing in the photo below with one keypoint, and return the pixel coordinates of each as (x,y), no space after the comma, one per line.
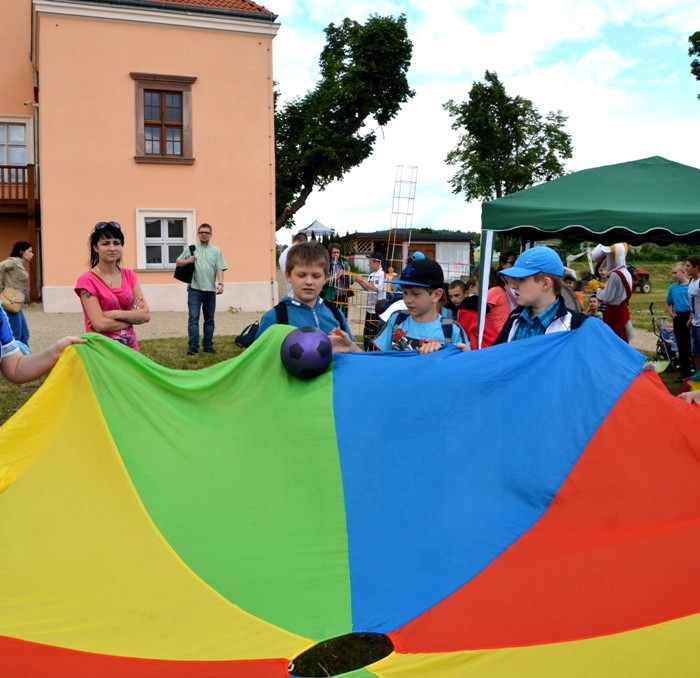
(17,184)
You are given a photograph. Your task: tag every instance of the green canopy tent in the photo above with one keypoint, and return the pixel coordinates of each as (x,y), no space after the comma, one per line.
(650,200)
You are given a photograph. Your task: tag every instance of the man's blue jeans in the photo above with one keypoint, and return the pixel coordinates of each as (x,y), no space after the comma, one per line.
(18,325)
(206,301)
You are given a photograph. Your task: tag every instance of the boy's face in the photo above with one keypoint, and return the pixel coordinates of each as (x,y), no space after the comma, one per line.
(691,270)
(421,302)
(536,294)
(307,282)
(678,273)
(593,303)
(457,295)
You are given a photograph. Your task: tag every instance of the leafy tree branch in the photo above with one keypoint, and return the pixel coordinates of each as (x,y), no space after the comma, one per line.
(324,134)
(694,50)
(505,144)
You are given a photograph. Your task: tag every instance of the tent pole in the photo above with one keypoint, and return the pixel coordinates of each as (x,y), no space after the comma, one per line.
(484,270)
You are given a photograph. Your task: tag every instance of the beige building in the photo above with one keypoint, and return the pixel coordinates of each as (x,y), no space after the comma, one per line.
(158,115)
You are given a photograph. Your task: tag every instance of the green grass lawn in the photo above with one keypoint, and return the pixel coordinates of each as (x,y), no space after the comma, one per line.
(660,276)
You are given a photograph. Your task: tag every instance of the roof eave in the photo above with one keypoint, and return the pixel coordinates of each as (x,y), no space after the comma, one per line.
(182,9)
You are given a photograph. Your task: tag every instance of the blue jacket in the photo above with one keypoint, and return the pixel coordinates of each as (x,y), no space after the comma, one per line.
(564,320)
(301,315)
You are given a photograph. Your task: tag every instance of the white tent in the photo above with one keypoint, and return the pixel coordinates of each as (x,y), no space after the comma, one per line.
(317,229)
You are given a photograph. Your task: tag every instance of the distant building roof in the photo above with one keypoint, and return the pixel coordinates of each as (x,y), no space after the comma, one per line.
(219,7)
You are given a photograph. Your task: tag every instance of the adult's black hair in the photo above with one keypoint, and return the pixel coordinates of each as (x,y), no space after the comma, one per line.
(19,248)
(503,258)
(495,280)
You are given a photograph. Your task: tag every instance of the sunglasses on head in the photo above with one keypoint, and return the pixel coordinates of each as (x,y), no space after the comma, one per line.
(104,224)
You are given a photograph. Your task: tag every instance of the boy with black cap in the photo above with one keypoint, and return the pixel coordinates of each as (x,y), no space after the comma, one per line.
(421,327)
(536,280)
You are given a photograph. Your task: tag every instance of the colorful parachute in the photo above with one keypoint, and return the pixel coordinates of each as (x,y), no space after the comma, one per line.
(527,510)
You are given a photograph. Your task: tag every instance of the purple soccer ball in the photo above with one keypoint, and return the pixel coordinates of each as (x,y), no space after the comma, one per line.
(306,352)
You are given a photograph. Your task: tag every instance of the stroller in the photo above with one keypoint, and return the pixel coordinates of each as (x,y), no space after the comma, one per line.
(666,347)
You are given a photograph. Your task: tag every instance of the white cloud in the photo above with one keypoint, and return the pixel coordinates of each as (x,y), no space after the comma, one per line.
(619,71)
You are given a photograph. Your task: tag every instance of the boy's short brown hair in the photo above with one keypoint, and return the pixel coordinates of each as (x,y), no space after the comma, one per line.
(557,281)
(308,254)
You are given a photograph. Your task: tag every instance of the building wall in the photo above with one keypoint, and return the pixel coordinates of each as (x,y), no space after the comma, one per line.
(15,46)
(87,145)
(454,258)
(16,98)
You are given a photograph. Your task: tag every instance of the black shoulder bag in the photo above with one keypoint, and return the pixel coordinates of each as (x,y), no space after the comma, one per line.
(185,272)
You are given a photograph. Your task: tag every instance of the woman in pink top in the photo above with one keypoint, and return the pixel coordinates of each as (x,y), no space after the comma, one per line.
(110,295)
(500,304)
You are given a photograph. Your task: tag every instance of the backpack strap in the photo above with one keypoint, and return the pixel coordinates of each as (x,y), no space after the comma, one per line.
(446,323)
(337,313)
(447,327)
(281,313)
(577,319)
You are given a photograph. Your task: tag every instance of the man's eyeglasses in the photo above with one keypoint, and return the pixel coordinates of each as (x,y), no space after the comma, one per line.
(104,224)
(204,232)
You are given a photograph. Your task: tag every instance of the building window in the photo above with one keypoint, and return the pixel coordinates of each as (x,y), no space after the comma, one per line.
(163,123)
(163,118)
(16,153)
(162,235)
(13,143)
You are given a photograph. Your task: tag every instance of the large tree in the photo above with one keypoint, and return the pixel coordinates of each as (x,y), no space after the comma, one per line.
(505,145)
(323,135)
(694,51)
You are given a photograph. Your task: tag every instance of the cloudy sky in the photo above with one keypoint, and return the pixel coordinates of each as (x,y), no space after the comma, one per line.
(619,69)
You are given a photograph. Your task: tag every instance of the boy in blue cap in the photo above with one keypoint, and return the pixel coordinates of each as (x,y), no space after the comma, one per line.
(536,280)
(420,327)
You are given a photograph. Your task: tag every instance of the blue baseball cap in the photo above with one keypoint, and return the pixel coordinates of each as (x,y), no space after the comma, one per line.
(535,260)
(418,255)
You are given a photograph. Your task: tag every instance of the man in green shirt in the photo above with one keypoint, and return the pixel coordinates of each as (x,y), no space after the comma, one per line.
(207,282)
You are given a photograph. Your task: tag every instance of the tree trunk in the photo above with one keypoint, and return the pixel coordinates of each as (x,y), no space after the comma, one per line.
(291,210)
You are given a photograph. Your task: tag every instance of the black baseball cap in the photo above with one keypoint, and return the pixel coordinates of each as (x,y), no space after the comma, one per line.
(422,273)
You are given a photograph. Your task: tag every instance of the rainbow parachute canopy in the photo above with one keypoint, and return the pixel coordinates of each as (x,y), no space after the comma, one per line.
(531,509)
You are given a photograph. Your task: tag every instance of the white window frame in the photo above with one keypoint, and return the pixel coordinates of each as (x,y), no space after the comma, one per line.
(28,122)
(189,216)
